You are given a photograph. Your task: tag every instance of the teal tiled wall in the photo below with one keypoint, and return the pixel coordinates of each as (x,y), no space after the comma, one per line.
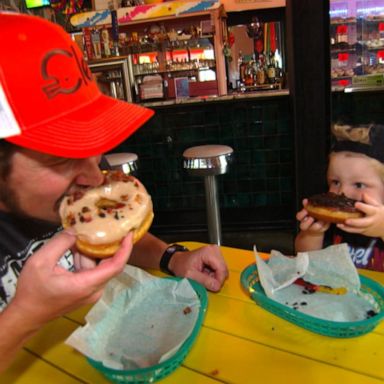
(261,179)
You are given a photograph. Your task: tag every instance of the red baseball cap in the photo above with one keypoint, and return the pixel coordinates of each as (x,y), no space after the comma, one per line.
(49,101)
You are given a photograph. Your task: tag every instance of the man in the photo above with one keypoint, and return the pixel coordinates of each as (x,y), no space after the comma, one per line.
(56,125)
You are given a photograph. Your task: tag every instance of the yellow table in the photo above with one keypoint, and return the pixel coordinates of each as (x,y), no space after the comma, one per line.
(238,343)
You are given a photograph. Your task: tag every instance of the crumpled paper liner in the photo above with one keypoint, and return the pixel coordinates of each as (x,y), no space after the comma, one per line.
(140,321)
(330,267)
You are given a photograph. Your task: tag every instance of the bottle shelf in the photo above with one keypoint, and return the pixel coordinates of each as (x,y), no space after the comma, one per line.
(335,51)
(359,20)
(174,71)
(360,57)
(193,43)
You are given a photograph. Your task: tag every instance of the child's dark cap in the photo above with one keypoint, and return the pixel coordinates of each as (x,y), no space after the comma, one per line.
(367,139)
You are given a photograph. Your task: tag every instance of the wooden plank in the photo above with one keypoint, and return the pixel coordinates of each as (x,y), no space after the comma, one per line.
(28,369)
(242,361)
(355,360)
(216,354)
(377,276)
(247,351)
(184,375)
(232,287)
(362,354)
(49,344)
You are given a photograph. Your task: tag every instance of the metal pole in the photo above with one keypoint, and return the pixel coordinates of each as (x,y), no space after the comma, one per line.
(213,210)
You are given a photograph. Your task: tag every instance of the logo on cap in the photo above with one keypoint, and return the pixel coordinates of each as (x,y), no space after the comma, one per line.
(61,76)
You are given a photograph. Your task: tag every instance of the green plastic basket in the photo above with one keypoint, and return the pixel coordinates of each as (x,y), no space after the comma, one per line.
(250,282)
(158,371)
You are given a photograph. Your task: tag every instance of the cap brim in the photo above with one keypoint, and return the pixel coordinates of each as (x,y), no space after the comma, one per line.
(88,131)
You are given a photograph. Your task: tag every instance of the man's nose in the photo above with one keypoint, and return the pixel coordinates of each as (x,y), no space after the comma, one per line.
(90,174)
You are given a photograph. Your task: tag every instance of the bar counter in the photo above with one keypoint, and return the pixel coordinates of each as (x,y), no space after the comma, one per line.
(229,97)
(239,343)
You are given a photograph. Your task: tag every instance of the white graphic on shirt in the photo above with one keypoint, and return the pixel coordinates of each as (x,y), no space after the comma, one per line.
(10,271)
(361,255)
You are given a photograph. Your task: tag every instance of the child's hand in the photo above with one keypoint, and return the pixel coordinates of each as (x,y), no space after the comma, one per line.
(309,224)
(372,224)
(311,235)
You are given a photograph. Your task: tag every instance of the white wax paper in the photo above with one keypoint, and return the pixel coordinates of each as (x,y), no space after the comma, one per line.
(330,267)
(141,320)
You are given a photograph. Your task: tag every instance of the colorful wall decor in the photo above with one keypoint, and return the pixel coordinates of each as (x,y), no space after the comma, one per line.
(143,12)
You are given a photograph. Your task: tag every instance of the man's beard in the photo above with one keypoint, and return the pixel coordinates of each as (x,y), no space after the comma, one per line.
(8,198)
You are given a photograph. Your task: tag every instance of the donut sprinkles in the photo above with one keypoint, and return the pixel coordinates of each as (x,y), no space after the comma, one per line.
(107,213)
(333,201)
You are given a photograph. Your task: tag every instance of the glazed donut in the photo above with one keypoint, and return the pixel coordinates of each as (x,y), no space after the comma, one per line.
(332,208)
(103,216)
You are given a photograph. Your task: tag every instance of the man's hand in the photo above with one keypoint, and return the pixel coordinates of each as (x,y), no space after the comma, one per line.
(46,291)
(206,265)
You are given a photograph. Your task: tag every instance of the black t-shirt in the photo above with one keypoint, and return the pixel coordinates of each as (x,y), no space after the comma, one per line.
(19,239)
(366,252)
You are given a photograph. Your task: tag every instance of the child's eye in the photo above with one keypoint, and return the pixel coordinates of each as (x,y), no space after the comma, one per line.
(334,183)
(360,185)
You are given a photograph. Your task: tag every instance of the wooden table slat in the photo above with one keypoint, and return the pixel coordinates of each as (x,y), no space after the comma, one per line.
(27,369)
(237,360)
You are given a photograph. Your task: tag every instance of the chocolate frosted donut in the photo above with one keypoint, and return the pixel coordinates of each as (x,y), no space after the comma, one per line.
(333,208)
(103,216)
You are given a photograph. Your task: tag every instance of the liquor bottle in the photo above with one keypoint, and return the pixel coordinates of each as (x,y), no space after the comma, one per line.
(105,42)
(115,33)
(95,36)
(271,70)
(260,76)
(88,43)
(241,67)
(249,74)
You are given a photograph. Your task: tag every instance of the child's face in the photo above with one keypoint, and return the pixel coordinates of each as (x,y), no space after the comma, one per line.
(353,176)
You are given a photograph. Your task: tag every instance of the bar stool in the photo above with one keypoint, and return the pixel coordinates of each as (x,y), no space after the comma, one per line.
(209,161)
(126,161)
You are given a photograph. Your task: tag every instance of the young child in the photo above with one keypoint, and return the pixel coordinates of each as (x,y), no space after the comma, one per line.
(355,169)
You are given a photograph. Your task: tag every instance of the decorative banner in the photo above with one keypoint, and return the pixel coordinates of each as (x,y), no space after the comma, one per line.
(143,12)
(90,19)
